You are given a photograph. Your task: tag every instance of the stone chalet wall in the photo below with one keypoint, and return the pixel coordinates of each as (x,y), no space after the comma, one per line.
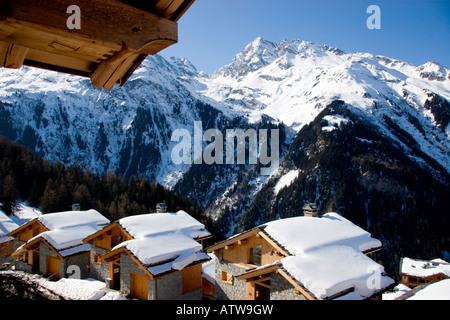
(280,288)
(20,265)
(98,271)
(80,260)
(237,290)
(168,287)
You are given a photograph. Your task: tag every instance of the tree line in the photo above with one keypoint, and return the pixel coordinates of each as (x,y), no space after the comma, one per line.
(54,187)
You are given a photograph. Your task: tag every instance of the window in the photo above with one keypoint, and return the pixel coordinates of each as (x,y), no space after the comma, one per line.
(227,278)
(255,256)
(97,258)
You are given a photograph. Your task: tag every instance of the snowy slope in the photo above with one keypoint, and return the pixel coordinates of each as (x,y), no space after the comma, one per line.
(126,130)
(293,81)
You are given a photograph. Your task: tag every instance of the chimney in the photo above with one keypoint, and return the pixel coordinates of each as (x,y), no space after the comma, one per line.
(311,210)
(76,207)
(161,208)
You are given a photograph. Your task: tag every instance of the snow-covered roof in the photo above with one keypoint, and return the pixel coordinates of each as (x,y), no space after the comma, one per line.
(421,268)
(6,226)
(327,256)
(66,230)
(300,235)
(434,291)
(164,241)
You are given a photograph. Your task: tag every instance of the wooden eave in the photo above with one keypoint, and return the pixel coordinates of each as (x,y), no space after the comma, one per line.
(257,272)
(111,256)
(255,231)
(114,255)
(114,38)
(33,244)
(233,240)
(106,229)
(25,226)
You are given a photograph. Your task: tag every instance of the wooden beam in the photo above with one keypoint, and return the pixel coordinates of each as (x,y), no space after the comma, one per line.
(102,21)
(273,244)
(109,72)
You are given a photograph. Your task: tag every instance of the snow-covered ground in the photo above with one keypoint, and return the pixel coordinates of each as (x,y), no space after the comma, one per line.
(72,289)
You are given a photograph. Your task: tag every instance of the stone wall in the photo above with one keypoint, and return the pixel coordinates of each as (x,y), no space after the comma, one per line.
(98,271)
(237,289)
(281,289)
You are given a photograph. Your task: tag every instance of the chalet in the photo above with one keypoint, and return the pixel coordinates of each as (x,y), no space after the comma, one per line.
(6,242)
(301,258)
(417,272)
(107,42)
(310,210)
(50,243)
(154,256)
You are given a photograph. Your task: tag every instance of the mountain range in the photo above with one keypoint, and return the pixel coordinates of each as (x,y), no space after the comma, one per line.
(367,136)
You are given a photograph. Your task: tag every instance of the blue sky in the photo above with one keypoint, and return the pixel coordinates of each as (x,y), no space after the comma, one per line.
(212,32)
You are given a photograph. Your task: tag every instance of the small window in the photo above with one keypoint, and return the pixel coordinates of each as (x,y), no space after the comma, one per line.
(227,278)
(255,256)
(97,259)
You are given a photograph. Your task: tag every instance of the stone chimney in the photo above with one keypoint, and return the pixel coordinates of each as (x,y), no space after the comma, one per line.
(161,208)
(76,207)
(310,210)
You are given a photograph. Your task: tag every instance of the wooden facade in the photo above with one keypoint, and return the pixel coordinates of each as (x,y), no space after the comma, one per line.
(414,281)
(310,210)
(113,38)
(249,267)
(127,273)
(255,254)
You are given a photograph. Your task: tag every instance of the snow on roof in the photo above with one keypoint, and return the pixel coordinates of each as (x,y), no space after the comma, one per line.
(333,269)
(302,234)
(164,241)
(327,255)
(6,226)
(396,292)
(68,229)
(421,268)
(160,223)
(434,291)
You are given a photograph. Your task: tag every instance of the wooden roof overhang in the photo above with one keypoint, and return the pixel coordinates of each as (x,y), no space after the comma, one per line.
(114,38)
(109,229)
(114,256)
(255,231)
(27,226)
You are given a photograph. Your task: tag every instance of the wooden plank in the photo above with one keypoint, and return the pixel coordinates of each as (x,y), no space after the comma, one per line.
(182,10)
(105,21)
(273,244)
(192,278)
(161,6)
(15,56)
(110,71)
(53,266)
(4,48)
(35,36)
(139,286)
(52,59)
